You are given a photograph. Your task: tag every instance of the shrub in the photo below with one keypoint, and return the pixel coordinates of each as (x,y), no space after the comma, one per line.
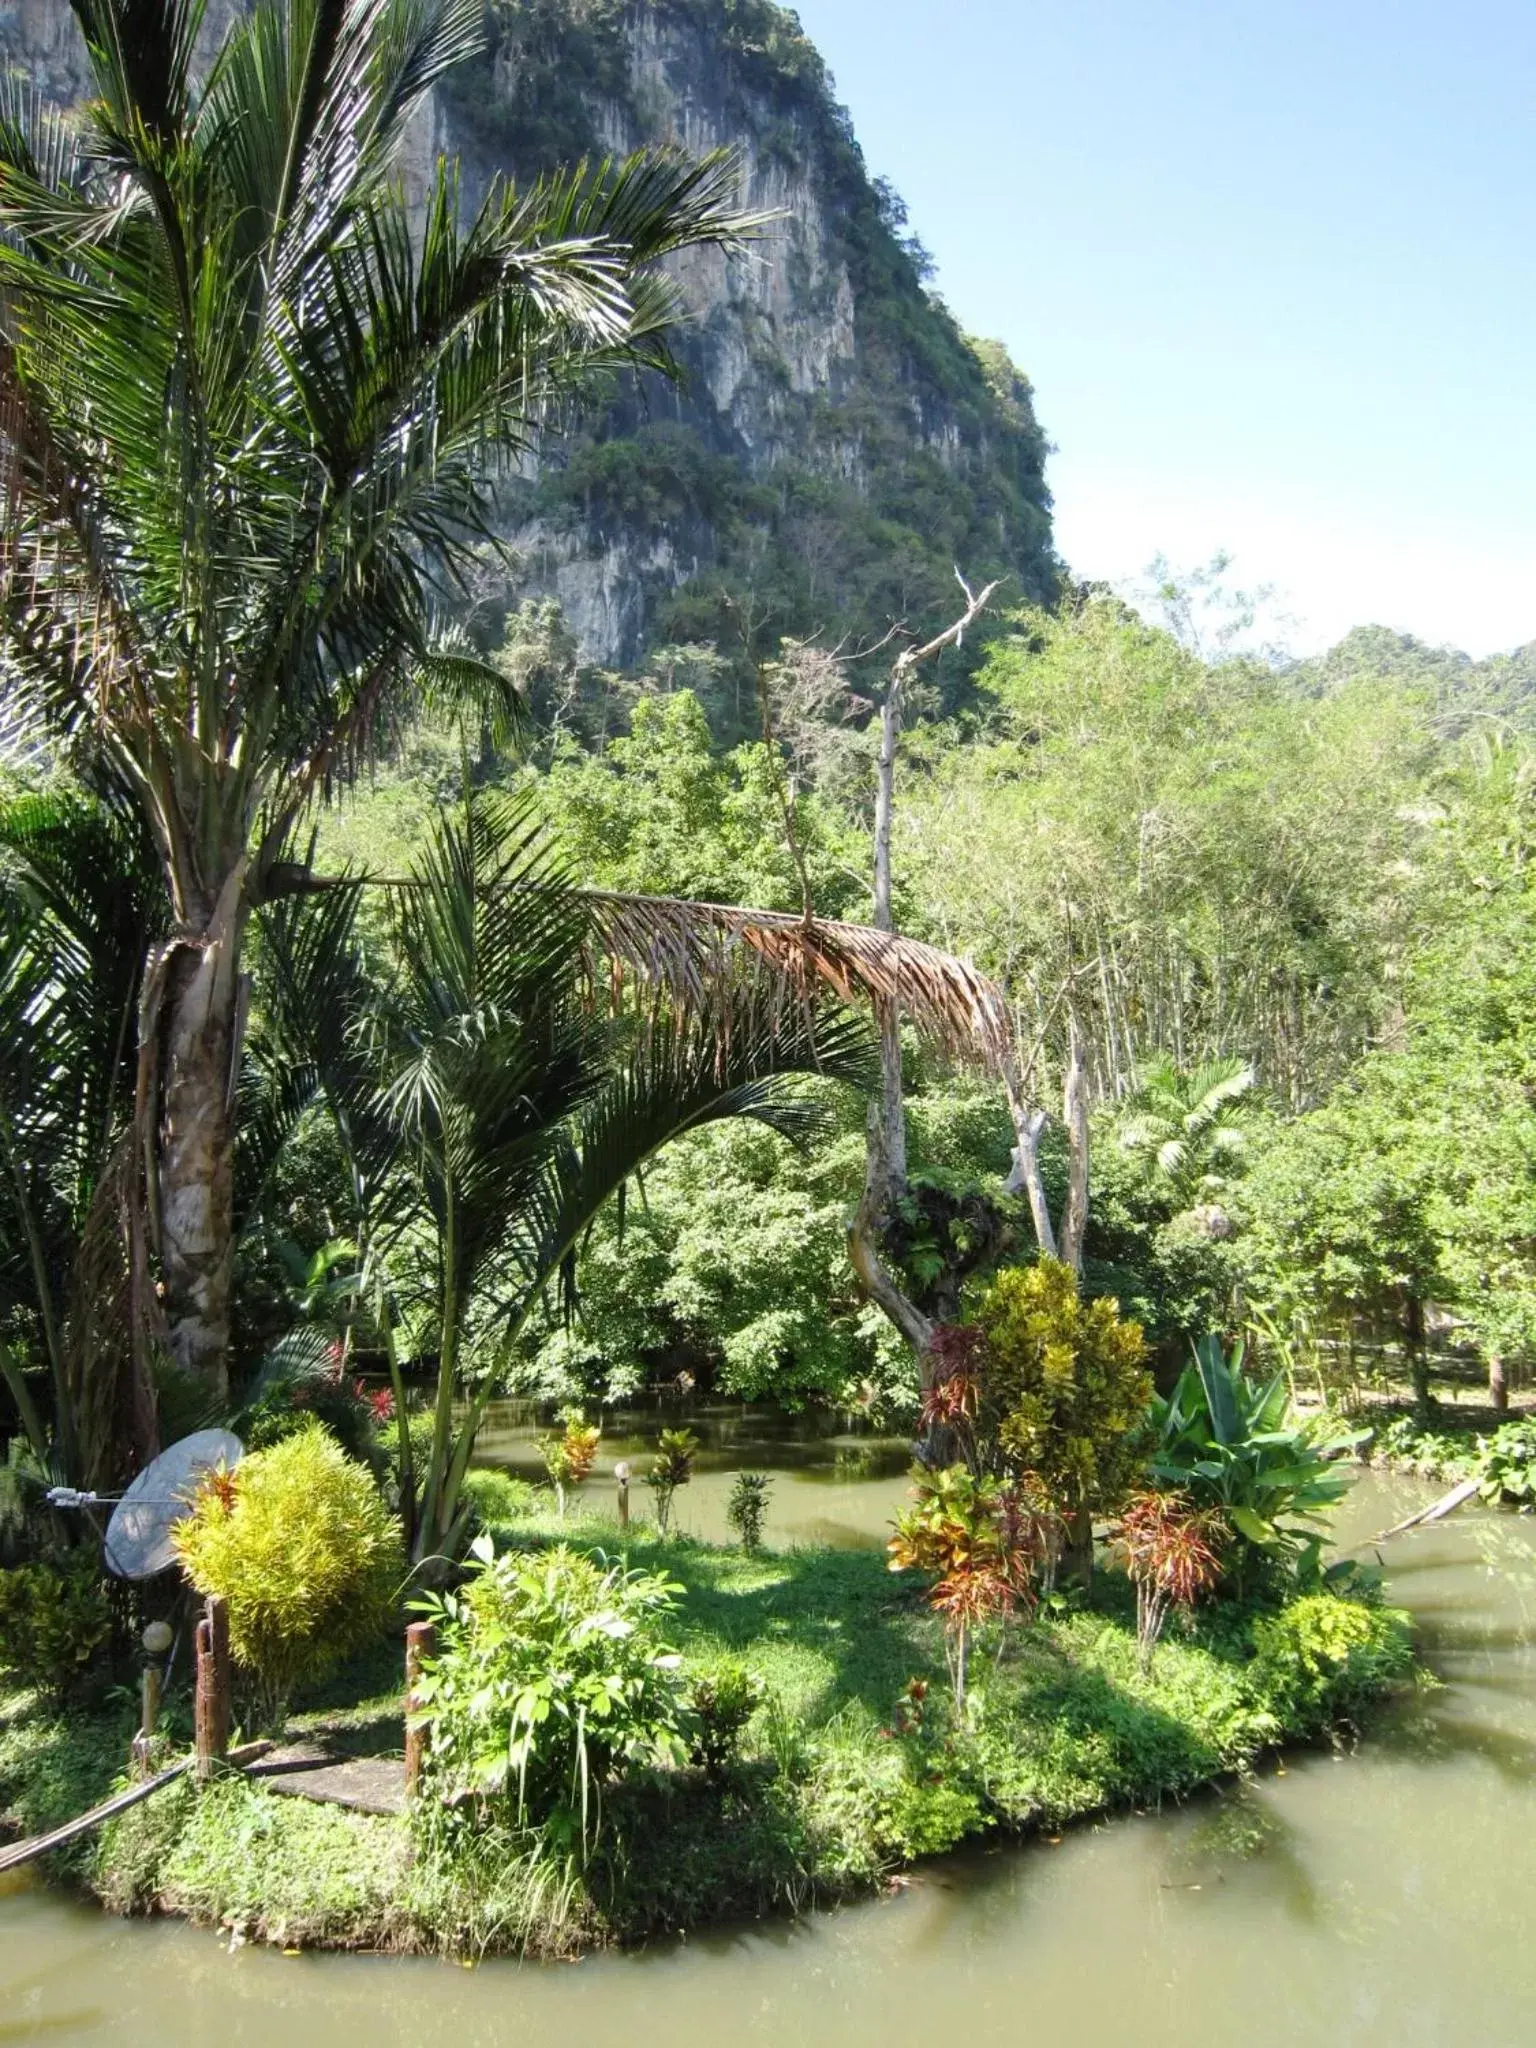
(1506,1465)
(551,1677)
(499,1499)
(747,1508)
(981,1542)
(307,1555)
(569,1453)
(304,1375)
(671,1468)
(54,1622)
(1066,1390)
(1227,1441)
(25,1534)
(722,1702)
(1321,1658)
(1172,1553)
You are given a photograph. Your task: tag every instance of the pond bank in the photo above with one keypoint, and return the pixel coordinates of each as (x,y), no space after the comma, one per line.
(836,1787)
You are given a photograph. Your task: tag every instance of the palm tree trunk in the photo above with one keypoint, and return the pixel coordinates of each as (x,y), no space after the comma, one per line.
(193,1203)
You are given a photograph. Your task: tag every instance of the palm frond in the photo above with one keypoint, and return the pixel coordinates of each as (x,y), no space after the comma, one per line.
(693,948)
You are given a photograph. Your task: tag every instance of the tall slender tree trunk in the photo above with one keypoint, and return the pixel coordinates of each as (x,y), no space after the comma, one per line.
(888,1115)
(885,1163)
(885,1154)
(1028,1126)
(1074,1219)
(192,1200)
(1418,1356)
(1498,1384)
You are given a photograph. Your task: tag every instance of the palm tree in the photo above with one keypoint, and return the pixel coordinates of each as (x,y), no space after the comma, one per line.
(489,1107)
(1188,1127)
(249,406)
(80,902)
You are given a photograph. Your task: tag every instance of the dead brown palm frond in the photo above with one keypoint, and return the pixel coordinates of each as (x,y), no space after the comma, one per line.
(690,947)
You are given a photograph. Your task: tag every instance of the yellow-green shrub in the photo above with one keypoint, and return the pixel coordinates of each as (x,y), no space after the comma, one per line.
(54,1621)
(1066,1385)
(305,1552)
(1322,1659)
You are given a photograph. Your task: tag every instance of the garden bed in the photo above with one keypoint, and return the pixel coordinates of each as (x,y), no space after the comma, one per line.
(847,1771)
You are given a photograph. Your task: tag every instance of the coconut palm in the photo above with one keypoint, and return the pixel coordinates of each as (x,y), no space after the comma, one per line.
(1188,1128)
(250,397)
(489,1106)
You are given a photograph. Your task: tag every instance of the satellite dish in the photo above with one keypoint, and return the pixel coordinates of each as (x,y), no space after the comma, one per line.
(139,1534)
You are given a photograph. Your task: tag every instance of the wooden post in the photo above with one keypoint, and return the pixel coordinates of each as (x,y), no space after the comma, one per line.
(420,1642)
(149,1716)
(621,1474)
(211,1706)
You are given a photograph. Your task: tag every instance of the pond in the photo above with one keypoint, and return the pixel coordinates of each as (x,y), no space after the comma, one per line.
(1378,1899)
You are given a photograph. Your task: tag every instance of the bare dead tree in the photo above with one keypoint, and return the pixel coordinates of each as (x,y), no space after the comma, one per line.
(885,1161)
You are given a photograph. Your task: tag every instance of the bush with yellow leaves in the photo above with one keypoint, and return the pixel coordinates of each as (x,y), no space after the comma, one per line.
(1067,1391)
(300,1544)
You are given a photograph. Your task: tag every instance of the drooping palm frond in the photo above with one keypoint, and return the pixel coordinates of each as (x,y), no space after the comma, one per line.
(692,949)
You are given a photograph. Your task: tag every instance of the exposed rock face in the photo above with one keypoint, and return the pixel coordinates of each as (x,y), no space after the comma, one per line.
(837,447)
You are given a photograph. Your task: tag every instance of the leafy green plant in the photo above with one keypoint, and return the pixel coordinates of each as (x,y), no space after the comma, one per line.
(1187,1129)
(304,1376)
(552,1676)
(54,1622)
(1321,1657)
(747,1508)
(1506,1465)
(300,1544)
(671,1468)
(981,1544)
(1067,1392)
(1228,1443)
(721,1703)
(569,1453)
(1172,1552)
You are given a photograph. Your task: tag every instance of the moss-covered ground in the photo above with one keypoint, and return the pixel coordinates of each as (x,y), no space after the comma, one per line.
(834,1789)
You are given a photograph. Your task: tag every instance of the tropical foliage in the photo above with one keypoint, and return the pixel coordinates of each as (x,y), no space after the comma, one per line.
(1067,1391)
(251,403)
(553,1674)
(300,1545)
(1230,1444)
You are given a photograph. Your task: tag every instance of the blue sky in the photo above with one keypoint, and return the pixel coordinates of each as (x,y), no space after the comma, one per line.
(1272,268)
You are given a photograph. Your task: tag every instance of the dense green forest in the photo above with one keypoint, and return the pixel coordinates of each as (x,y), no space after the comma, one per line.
(1315,872)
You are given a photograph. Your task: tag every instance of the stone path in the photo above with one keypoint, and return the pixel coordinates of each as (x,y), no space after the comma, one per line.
(364,1784)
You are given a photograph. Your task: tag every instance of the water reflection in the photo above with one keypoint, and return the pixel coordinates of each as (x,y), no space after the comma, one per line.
(1374,1898)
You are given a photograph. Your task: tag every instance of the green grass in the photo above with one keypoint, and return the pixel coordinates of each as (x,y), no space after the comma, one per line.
(827,1796)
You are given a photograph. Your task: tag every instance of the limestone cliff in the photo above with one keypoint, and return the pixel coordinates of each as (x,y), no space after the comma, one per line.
(838,445)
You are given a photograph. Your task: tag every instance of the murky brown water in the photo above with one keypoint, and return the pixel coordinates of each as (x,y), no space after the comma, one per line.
(1378,1900)
(830,1485)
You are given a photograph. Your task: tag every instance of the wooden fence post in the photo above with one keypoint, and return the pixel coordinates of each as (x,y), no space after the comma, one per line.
(211,1705)
(149,1716)
(420,1643)
(621,1474)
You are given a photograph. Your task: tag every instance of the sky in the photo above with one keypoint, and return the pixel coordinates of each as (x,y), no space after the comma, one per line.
(1270,265)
